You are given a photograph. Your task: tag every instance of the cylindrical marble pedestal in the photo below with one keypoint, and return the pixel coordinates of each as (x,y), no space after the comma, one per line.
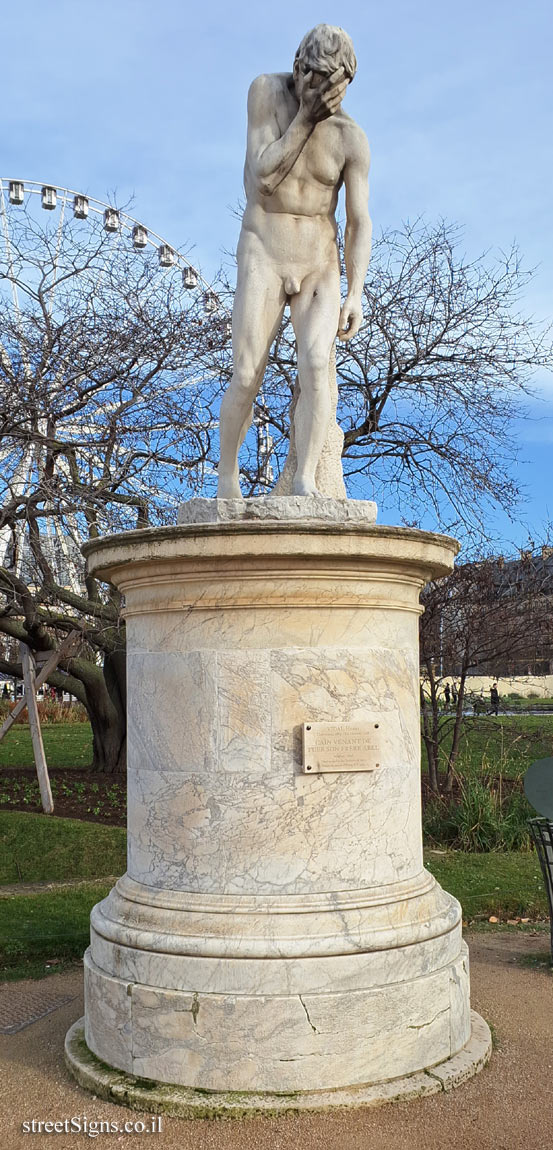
(276,931)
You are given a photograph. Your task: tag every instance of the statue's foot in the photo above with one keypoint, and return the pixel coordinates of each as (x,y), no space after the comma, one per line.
(228,489)
(304,487)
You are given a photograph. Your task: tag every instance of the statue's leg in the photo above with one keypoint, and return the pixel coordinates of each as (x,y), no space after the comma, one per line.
(315,314)
(258,306)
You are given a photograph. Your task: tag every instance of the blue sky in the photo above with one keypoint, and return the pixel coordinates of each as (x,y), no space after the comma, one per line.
(148,101)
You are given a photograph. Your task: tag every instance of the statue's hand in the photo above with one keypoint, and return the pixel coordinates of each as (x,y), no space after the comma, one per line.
(351,318)
(319,100)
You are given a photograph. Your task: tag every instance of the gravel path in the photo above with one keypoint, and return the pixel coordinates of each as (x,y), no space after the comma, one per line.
(508,1106)
(13,890)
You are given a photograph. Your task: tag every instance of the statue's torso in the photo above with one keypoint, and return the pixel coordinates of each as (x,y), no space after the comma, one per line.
(306,199)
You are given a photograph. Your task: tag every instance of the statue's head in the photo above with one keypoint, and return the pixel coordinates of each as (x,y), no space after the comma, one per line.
(323,50)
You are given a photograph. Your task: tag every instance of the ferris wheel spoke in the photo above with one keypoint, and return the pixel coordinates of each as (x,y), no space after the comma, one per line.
(59,237)
(5,361)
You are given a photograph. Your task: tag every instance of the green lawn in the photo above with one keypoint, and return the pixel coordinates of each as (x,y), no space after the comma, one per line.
(502,884)
(527,701)
(37,848)
(53,925)
(65,745)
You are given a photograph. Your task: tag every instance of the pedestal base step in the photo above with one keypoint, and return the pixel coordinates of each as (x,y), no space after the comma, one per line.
(182,1102)
(303,509)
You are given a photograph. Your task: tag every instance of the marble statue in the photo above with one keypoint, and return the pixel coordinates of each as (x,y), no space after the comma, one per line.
(276,942)
(302,147)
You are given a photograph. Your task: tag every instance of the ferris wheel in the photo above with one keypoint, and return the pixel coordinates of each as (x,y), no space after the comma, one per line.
(51,198)
(68,215)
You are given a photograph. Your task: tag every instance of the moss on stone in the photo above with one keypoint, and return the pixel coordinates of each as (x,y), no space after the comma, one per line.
(187,1102)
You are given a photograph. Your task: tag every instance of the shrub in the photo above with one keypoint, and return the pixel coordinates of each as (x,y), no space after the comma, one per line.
(50,711)
(481,816)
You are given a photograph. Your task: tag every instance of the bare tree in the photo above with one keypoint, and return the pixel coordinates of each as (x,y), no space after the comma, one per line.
(110,380)
(430,386)
(105,419)
(487,617)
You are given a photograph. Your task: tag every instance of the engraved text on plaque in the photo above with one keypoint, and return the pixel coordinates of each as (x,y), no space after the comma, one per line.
(341,747)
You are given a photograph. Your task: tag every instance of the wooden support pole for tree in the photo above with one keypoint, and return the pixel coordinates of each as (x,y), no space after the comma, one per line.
(36,734)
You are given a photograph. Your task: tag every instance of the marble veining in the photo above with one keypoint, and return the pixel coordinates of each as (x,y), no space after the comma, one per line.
(276,931)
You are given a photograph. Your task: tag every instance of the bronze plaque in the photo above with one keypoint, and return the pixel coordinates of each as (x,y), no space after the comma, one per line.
(341,747)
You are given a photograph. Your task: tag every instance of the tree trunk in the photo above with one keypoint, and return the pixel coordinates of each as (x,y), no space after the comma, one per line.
(106,706)
(457,728)
(430,731)
(109,745)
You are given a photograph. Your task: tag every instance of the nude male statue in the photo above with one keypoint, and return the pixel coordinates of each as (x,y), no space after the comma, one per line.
(301,148)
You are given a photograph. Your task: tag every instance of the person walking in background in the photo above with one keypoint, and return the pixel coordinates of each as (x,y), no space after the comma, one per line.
(447,694)
(454,694)
(494,699)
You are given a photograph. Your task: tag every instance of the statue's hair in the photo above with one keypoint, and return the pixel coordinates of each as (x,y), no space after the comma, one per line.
(326,48)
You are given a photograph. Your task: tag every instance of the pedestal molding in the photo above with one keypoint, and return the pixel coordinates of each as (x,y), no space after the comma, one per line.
(276,929)
(333,933)
(333,900)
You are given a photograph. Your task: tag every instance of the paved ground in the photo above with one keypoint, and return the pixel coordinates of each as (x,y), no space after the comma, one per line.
(508,1106)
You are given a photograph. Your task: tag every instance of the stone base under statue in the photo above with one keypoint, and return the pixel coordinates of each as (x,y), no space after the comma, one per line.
(297,509)
(266,993)
(276,931)
(183,1102)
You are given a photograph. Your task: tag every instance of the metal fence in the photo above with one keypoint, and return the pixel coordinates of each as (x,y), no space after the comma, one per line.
(542,834)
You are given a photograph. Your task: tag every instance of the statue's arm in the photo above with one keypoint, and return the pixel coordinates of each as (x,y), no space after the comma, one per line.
(358,237)
(271,155)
